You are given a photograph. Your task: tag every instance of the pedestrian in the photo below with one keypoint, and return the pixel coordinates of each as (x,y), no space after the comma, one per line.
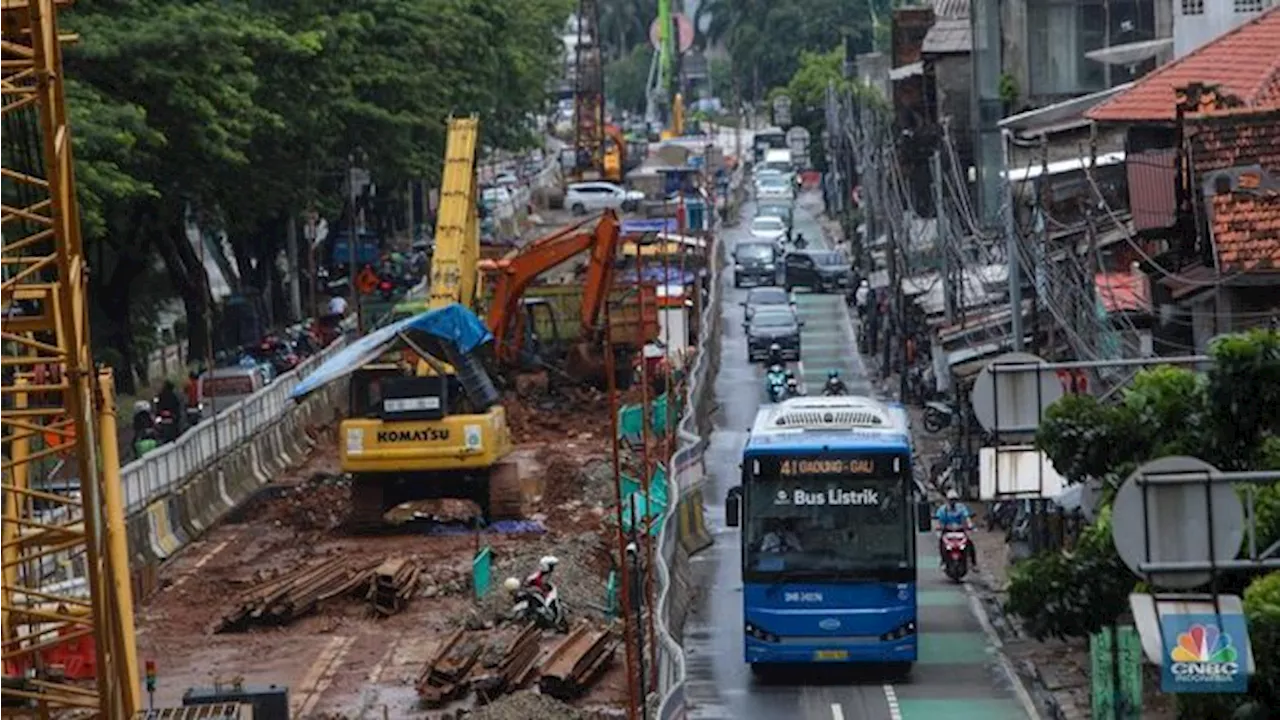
(860,298)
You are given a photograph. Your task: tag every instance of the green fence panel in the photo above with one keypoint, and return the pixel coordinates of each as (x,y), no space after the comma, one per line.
(482,571)
(631,423)
(653,513)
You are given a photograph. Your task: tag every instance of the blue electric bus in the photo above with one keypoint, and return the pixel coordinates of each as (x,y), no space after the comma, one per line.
(829,514)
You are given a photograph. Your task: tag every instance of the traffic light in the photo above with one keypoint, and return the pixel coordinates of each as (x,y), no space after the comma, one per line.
(151,675)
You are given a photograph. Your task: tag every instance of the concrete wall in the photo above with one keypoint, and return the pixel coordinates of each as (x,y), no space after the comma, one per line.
(169,523)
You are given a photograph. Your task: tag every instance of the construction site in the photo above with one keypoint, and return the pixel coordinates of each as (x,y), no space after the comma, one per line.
(374,550)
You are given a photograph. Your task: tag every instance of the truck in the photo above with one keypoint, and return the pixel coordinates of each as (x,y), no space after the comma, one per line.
(829,513)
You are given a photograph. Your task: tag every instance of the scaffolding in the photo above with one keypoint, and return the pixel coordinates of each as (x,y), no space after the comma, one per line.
(57,409)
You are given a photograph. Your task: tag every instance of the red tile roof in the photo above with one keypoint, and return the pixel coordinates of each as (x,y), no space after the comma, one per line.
(1236,138)
(1244,62)
(1246,231)
(1124,291)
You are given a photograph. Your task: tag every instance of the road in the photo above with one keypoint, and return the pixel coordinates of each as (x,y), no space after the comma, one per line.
(959,674)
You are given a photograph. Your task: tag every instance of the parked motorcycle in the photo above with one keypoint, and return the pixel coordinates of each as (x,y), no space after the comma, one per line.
(938,416)
(955,558)
(776,383)
(536,600)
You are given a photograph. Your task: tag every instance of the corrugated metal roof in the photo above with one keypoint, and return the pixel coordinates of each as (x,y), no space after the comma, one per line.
(948,36)
(951,8)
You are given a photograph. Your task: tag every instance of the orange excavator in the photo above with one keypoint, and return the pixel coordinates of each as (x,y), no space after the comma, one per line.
(525,321)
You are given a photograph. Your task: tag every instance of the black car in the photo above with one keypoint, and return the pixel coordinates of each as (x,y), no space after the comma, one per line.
(820,270)
(767,327)
(767,298)
(755,263)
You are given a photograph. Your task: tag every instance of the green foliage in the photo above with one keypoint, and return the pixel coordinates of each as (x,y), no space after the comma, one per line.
(1227,416)
(626,79)
(245,111)
(766,40)
(1063,595)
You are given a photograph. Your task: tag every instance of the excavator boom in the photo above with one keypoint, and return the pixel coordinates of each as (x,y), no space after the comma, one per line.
(515,274)
(454,263)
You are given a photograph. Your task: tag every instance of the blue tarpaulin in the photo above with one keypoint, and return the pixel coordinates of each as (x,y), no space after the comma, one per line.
(453,324)
(654,273)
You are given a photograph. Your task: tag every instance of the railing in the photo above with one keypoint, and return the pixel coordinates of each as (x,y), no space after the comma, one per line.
(164,469)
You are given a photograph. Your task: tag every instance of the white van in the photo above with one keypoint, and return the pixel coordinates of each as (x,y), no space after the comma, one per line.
(779,160)
(227,386)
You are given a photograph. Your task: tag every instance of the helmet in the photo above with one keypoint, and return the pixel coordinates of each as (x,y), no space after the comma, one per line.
(952,495)
(833,374)
(864,283)
(548,563)
(141,406)
(775,367)
(775,347)
(511,584)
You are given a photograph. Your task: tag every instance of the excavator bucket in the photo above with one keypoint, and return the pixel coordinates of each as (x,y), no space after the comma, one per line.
(585,364)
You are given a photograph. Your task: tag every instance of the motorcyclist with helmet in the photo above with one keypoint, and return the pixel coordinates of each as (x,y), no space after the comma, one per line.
(540,580)
(834,386)
(954,516)
(800,242)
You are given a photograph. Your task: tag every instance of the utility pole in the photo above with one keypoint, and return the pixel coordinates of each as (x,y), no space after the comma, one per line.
(352,291)
(1011,257)
(944,240)
(295,282)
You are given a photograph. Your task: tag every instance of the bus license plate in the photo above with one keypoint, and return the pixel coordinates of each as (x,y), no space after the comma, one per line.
(831,655)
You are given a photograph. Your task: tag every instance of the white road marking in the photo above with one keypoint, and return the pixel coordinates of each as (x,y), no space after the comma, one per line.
(200,563)
(891,697)
(1019,690)
(837,712)
(320,675)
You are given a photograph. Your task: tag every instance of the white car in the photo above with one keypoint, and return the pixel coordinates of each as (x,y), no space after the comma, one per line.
(499,201)
(775,187)
(768,228)
(582,198)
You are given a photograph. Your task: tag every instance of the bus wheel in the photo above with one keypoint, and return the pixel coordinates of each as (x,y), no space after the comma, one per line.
(761,671)
(900,670)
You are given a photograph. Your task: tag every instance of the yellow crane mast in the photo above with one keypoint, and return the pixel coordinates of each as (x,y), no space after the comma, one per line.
(454,263)
(57,406)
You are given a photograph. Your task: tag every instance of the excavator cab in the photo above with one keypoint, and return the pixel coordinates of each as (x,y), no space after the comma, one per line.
(543,341)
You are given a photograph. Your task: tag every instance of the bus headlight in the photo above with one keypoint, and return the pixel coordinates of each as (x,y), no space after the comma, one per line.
(760,634)
(904,630)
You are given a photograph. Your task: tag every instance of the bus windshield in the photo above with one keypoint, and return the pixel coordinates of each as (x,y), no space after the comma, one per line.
(826,517)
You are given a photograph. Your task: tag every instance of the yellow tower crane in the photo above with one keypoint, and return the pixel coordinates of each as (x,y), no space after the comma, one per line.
(57,406)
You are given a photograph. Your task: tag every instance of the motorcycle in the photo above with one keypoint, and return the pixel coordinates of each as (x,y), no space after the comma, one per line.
(194,414)
(833,388)
(1001,515)
(534,606)
(776,384)
(955,559)
(166,425)
(793,387)
(937,416)
(144,442)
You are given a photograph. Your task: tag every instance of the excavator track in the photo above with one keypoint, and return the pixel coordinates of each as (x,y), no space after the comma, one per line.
(505,501)
(368,504)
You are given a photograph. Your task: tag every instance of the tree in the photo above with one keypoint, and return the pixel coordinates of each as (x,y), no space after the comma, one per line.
(765,40)
(242,113)
(627,79)
(1226,417)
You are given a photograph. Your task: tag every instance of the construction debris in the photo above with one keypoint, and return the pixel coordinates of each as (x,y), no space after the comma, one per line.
(514,666)
(446,676)
(577,662)
(393,583)
(284,597)
(526,705)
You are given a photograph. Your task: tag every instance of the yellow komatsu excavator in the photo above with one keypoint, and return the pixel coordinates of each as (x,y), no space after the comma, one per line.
(433,428)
